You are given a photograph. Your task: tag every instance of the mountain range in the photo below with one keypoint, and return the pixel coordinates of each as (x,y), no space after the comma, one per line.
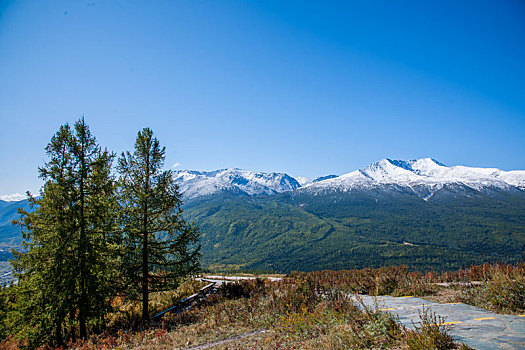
(194,184)
(424,177)
(415,212)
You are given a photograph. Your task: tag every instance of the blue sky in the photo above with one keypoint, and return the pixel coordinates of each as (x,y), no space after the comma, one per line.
(306,88)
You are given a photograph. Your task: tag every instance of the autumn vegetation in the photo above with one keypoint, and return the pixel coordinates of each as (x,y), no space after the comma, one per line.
(310,311)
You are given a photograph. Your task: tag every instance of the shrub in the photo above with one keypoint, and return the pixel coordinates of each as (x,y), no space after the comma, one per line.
(501,293)
(393,280)
(242,289)
(431,334)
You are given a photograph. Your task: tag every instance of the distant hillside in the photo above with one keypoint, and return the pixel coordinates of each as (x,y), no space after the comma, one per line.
(300,231)
(10,235)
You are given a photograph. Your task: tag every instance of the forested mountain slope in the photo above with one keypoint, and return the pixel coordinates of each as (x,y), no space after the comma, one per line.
(300,231)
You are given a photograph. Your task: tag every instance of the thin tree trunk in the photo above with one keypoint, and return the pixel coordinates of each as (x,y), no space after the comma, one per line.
(58,334)
(82,312)
(145,272)
(59,339)
(72,329)
(145,287)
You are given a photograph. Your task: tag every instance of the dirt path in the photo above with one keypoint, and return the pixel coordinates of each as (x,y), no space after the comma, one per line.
(225,341)
(478,328)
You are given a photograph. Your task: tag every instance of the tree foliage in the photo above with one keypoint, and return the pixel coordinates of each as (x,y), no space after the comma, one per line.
(160,248)
(66,269)
(88,238)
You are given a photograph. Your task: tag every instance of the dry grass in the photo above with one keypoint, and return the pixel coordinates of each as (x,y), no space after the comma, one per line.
(500,288)
(127,313)
(308,311)
(501,292)
(391,280)
(296,314)
(443,295)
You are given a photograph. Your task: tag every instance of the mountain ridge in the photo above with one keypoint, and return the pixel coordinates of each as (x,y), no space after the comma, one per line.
(424,176)
(427,173)
(193,184)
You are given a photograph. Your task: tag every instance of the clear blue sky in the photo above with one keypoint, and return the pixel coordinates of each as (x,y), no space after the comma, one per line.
(306,88)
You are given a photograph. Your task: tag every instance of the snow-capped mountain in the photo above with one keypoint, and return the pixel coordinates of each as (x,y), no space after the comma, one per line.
(194,184)
(423,176)
(303,181)
(322,178)
(13,197)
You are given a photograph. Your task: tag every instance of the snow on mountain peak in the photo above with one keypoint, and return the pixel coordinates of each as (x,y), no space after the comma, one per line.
(14,197)
(194,184)
(424,176)
(426,172)
(303,180)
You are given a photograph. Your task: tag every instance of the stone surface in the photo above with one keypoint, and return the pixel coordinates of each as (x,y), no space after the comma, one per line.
(478,328)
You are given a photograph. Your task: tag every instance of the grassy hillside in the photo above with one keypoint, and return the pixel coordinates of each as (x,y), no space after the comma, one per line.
(302,311)
(310,310)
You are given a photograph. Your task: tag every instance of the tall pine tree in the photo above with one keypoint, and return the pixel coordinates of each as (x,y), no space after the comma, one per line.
(160,247)
(64,276)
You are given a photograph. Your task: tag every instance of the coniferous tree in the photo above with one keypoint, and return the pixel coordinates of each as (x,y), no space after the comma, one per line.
(160,247)
(96,216)
(3,313)
(64,275)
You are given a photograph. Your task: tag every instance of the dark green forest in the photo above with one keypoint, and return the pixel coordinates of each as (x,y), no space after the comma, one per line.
(301,231)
